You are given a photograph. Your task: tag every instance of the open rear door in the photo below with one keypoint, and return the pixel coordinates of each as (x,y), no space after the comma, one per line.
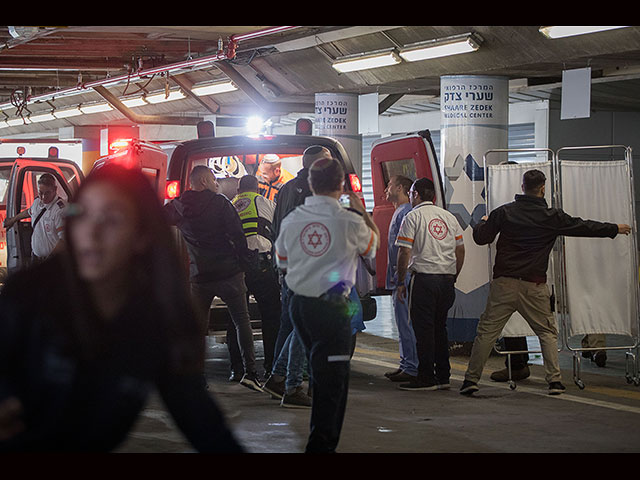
(411,155)
(22,191)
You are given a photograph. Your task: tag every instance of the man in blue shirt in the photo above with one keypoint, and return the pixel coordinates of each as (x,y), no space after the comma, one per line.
(397,193)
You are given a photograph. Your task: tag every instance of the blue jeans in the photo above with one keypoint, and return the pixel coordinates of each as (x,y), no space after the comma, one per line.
(406,335)
(289,351)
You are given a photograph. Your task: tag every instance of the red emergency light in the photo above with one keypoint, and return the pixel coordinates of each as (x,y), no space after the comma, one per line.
(53,152)
(21,150)
(304,126)
(356,186)
(172,190)
(120,144)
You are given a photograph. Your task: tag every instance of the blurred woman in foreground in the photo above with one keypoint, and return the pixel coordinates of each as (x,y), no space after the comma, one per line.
(86,335)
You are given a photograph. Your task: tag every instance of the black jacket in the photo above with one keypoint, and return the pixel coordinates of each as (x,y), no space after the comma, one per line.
(528,229)
(289,197)
(213,232)
(75,402)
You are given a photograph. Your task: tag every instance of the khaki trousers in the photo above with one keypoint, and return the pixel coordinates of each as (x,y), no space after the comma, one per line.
(531,300)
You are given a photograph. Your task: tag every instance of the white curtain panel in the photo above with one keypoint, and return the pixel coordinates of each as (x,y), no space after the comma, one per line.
(504,182)
(601,273)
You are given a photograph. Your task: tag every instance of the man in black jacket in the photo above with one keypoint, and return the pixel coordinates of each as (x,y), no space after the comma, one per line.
(218,255)
(528,230)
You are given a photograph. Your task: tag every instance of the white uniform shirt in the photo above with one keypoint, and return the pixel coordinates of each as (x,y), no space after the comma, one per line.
(319,244)
(49,229)
(432,234)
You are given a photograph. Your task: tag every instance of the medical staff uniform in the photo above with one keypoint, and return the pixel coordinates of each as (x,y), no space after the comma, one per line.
(432,234)
(318,246)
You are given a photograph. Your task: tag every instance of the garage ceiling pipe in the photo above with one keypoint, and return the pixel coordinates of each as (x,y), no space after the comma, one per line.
(227,54)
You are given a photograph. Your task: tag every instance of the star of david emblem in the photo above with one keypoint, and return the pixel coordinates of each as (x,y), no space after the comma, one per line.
(315,240)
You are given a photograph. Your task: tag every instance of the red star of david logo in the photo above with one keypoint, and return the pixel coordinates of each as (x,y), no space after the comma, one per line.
(315,240)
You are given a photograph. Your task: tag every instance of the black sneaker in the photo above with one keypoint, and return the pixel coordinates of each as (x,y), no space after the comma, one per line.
(600,358)
(444,385)
(468,387)
(556,388)
(275,388)
(417,385)
(250,380)
(296,399)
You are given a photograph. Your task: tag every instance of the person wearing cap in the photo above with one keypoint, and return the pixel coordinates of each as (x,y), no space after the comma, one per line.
(319,246)
(271,176)
(47,218)
(285,381)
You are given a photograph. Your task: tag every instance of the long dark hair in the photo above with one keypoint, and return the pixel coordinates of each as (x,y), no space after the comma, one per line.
(158,271)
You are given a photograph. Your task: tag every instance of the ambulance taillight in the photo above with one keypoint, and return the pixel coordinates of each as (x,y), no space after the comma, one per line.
(172,190)
(356,186)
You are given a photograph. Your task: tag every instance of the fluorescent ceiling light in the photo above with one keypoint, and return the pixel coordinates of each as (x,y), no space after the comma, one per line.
(161,97)
(100,107)
(568,31)
(214,88)
(134,102)
(44,117)
(366,61)
(438,48)
(69,112)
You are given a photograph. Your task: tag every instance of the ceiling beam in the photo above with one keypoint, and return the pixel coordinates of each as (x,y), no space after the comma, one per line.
(143,119)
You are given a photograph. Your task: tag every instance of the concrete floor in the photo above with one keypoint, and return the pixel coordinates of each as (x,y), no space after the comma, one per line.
(604,417)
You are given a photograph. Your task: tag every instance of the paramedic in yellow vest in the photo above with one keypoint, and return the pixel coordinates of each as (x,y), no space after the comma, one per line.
(256,213)
(271,176)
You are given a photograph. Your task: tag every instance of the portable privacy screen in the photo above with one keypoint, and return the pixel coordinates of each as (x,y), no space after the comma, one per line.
(502,183)
(599,291)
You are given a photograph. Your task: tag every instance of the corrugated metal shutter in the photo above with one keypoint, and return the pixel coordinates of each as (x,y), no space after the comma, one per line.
(367,183)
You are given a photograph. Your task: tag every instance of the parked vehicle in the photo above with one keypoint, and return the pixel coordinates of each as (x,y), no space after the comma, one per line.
(18,189)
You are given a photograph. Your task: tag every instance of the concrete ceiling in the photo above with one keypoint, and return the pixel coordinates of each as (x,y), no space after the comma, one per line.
(280,69)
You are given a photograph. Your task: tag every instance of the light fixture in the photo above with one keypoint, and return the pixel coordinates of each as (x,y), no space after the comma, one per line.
(95,108)
(443,47)
(163,97)
(214,88)
(43,117)
(366,61)
(255,125)
(134,102)
(69,112)
(568,31)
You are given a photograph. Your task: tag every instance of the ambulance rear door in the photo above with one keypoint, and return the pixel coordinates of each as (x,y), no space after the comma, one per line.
(413,156)
(148,157)
(22,191)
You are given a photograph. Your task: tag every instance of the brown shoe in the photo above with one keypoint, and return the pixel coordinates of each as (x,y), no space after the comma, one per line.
(402,377)
(503,375)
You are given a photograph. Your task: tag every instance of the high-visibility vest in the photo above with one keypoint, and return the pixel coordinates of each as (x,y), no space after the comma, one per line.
(252,223)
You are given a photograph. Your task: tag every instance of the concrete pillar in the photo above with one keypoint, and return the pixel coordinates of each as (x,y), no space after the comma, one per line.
(474,118)
(337,117)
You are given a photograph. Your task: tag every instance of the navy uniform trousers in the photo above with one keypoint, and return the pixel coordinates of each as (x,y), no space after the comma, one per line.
(324,326)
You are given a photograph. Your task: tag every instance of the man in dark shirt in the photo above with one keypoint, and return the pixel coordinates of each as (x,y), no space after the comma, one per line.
(528,230)
(218,257)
